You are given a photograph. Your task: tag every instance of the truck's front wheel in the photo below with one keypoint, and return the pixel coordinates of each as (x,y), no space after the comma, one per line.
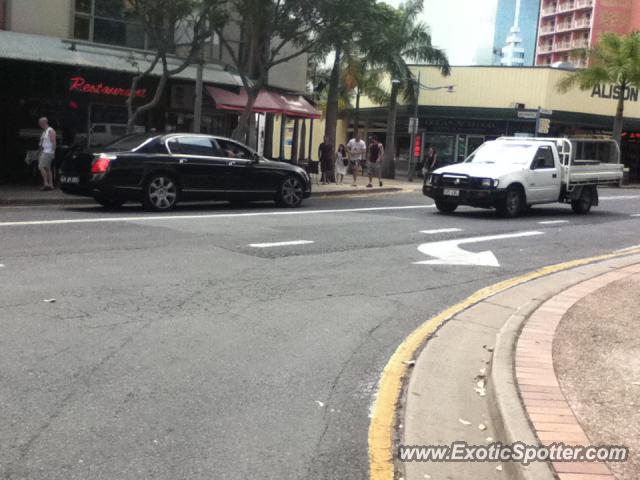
(583,205)
(513,203)
(446,207)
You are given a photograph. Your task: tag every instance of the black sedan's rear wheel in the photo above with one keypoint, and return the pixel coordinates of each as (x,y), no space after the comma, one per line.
(111,203)
(291,192)
(160,192)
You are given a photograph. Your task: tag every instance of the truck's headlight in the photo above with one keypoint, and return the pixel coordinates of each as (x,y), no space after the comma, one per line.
(486,183)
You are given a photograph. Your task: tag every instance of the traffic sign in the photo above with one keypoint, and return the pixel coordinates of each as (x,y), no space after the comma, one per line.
(413,125)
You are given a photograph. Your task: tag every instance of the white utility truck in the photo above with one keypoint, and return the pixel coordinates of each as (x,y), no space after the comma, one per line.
(511,174)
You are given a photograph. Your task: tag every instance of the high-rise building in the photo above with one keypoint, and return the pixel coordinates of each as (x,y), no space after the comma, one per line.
(566,25)
(516,32)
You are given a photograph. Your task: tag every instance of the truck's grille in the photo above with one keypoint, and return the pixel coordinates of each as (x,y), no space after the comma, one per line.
(451,180)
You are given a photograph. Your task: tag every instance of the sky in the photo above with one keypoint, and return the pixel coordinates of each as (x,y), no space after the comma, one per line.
(464,28)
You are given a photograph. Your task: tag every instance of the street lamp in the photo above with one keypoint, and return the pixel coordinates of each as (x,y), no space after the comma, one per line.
(414,123)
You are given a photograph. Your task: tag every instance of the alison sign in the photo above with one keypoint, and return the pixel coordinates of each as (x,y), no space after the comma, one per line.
(80,84)
(615,92)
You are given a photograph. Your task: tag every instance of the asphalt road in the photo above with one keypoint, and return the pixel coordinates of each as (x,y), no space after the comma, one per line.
(176,350)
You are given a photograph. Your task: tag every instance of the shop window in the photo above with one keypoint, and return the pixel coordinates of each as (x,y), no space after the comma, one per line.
(108,21)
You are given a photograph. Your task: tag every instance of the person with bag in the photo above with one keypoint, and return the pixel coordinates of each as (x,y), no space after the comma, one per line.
(47,153)
(374,160)
(342,163)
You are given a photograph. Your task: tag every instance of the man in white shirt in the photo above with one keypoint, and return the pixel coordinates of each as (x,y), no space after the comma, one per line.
(356,150)
(47,153)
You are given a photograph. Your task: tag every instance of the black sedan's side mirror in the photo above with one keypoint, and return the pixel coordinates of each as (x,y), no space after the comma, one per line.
(256,158)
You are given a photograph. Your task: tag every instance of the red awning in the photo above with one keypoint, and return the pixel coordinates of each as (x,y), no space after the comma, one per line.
(267,102)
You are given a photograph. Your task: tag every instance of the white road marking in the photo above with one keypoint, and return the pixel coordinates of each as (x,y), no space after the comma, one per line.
(156,218)
(280,244)
(621,197)
(450,253)
(442,230)
(636,215)
(1,265)
(553,222)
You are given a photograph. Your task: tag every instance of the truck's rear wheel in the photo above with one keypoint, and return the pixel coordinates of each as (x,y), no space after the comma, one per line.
(513,203)
(446,207)
(583,205)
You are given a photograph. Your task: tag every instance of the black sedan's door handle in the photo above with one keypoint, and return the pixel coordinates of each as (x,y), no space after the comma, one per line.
(182,160)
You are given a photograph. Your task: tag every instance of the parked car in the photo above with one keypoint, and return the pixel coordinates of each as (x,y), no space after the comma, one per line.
(512,174)
(161,170)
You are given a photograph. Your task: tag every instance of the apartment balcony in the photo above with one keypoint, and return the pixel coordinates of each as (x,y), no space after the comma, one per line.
(564,26)
(561,46)
(545,48)
(547,30)
(547,11)
(566,7)
(580,4)
(582,23)
(582,43)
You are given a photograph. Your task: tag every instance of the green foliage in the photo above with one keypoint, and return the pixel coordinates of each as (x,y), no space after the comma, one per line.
(402,40)
(614,60)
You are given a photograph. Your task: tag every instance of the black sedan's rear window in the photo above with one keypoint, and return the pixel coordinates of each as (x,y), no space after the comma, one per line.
(130,142)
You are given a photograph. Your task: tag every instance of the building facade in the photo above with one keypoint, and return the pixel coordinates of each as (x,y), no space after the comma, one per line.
(516,32)
(73,60)
(489,102)
(566,25)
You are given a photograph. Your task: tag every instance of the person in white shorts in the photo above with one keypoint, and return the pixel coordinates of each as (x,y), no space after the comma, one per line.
(47,153)
(356,150)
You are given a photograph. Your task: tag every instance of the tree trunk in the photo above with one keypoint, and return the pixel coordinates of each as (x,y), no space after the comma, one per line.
(356,118)
(618,122)
(241,132)
(389,161)
(333,99)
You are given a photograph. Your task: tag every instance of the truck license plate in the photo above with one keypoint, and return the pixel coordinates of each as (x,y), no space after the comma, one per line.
(451,193)
(70,179)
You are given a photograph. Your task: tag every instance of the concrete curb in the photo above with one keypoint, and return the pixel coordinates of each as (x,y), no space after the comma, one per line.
(369,191)
(506,408)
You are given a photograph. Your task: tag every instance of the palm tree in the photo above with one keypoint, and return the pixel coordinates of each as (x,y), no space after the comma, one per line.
(615,60)
(359,77)
(403,39)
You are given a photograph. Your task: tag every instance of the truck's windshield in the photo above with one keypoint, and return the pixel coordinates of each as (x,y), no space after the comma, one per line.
(502,152)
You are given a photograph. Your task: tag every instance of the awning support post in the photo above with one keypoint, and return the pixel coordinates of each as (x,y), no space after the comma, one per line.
(283,131)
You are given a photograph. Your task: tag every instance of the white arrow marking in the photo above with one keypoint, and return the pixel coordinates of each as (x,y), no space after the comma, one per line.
(280,244)
(442,230)
(450,253)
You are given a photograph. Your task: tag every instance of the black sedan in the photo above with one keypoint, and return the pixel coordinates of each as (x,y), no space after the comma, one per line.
(161,170)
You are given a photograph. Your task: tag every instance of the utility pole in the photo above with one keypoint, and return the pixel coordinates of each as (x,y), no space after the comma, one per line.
(414,129)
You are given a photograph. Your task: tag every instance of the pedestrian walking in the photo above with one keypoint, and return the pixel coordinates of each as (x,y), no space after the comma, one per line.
(356,150)
(46,153)
(342,163)
(325,153)
(374,161)
(430,160)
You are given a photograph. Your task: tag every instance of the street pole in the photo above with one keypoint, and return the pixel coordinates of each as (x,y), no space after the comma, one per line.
(197,104)
(412,169)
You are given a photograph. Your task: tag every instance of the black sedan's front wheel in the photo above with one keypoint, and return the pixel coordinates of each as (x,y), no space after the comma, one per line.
(160,192)
(291,192)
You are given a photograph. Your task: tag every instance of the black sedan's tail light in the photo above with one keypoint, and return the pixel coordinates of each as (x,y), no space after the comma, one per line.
(101,164)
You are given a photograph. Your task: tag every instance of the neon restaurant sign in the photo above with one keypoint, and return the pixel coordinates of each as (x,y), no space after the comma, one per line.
(80,84)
